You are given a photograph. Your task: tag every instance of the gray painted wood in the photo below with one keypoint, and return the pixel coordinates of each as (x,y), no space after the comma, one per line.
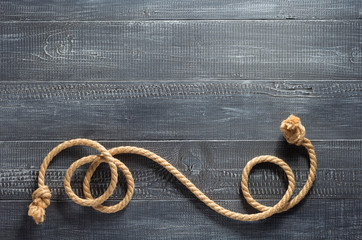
(180,50)
(213,166)
(188,219)
(185,9)
(229,110)
(201,83)
(186,154)
(218,184)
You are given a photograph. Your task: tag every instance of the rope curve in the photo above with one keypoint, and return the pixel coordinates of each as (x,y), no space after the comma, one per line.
(294,133)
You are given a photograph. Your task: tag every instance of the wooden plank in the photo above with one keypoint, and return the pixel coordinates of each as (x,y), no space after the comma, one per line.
(186,154)
(228,110)
(180,50)
(186,9)
(218,184)
(313,219)
(214,166)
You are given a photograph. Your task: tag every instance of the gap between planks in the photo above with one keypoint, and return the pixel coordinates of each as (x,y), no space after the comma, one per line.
(179,140)
(181,20)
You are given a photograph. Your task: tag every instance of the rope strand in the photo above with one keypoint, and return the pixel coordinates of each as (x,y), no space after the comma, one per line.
(294,133)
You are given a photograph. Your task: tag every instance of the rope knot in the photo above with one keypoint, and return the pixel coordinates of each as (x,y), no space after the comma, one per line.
(293,130)
(106,155)
(41,200)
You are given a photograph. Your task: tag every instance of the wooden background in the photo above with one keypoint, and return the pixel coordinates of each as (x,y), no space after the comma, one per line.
(204,84)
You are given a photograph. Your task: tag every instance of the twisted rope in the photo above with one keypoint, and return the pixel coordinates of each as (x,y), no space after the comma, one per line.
(292,128)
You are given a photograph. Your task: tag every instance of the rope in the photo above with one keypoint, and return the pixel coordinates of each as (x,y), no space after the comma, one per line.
(292,128)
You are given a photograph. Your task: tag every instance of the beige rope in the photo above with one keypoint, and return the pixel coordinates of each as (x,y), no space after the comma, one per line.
(292,128)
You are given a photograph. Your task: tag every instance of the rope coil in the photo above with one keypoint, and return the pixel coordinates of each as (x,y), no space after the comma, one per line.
(294,133)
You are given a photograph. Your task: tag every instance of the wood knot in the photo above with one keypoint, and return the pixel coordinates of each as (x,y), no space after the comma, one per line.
(41,200)
(293,130)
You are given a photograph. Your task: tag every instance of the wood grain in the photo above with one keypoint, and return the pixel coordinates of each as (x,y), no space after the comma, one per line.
(202,83)
(189,156)
(214,166)
(180,50)
(228,110)
(190,219)
(111,10)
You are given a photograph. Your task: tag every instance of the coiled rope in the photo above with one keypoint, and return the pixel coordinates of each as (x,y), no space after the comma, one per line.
(294,133)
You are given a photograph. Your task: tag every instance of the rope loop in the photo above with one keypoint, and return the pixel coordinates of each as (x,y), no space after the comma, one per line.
(294,133)
(288,194)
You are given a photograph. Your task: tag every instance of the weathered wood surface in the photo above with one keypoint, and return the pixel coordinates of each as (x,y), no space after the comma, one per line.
(180,50)
(228,110)
(205,85)
(111,10)
(214,166)
(188,219)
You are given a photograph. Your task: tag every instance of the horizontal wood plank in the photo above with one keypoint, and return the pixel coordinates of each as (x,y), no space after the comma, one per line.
(190,219)
(214,166)
(228,110)
(204,84)
(218,184)
(180,50)
(187,9)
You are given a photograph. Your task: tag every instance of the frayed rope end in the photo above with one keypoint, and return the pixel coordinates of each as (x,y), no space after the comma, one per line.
(41,200)
(293,130)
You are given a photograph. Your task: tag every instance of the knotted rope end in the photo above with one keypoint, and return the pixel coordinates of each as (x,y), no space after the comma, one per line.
(293,130)
(41,200)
